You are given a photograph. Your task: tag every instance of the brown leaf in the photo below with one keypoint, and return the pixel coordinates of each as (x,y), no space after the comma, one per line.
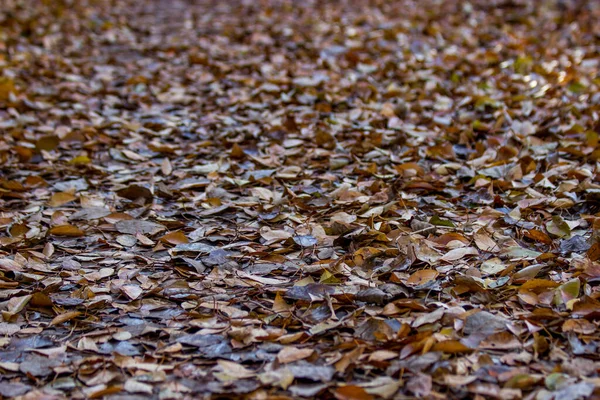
(349,358)
(236,151)
(48,143)
(459,253)
(290,354)
(352,392)
(451,347)
(324,139)
(61,198)
(62,318)
(580,326)
(135,192)
(484,242)
(66,230)
(7,87)
(594,252)
(538,236)
(422,277)
(174,238)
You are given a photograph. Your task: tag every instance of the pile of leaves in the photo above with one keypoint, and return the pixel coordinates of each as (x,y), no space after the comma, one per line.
(316,199)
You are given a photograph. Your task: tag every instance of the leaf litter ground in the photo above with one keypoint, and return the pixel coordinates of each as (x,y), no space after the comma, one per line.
(268,200)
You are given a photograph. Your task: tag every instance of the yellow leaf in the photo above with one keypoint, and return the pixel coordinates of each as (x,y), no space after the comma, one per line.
(451,347)
(328,277)
(537,284)
(280,306)
(80,160)
(66,230)
(61,198)
(7,86)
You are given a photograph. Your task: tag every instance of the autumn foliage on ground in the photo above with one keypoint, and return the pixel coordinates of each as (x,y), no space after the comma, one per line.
(345,200)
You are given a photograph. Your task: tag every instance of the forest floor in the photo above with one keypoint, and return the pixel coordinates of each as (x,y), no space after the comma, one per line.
(345,200)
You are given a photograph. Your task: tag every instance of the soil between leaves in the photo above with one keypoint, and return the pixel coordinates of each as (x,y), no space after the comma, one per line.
(349,200)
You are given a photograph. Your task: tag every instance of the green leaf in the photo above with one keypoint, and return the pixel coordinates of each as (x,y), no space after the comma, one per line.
(567,291)
(556,380)
(435,220)
(576,87)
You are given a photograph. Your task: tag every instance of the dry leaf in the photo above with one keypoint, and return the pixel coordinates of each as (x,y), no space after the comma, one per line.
(422,277)
(62,318)
(134,227)
(290,354)
(351,392)
(62,198)
(66,230)
(337,200)
(174,238)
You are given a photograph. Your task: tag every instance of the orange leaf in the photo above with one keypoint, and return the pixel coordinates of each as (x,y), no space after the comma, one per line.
(451,347)
(352,392)
(365,253)
(66,230)
(450,237)
(409,169)
(61,318)
(58,199)
(174,238)
(537,285)
(421,277)
(538,236)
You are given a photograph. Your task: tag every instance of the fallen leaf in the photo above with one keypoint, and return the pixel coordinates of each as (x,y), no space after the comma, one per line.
(290,354)
(62,198)
(422,277)
(66,230)
(351,392)
(143,227)
(175,238)
(64,317)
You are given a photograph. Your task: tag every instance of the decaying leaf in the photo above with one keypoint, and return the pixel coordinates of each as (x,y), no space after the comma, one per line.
(66,230)
(175,238)
(61,198)
(290,354)
(135,192)
(143,227)
(558,227)
(422,277)
(351,392)
(62,318)
(277,200)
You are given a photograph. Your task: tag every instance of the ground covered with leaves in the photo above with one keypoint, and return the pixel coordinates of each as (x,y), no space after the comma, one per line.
(347,200)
